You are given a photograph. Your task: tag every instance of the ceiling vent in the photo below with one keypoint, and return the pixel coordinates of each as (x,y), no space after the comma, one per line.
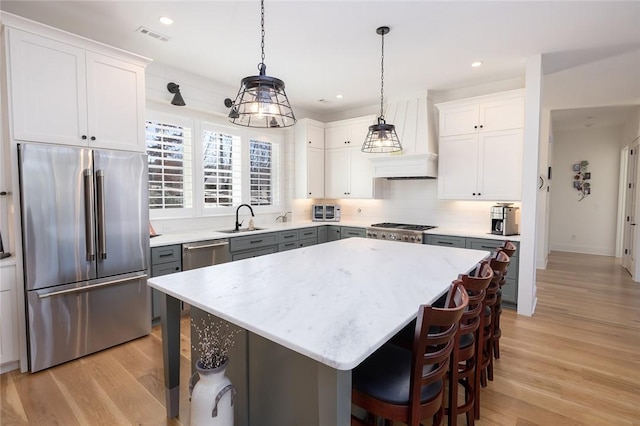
(153,34)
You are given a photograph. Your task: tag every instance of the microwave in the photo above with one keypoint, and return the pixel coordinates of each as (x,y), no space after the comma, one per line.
(325,213)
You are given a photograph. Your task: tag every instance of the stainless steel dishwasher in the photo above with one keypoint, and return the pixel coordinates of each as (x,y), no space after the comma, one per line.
(204,253)
(201,254)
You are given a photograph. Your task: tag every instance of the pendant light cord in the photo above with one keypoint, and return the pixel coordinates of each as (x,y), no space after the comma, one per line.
(382,80)
(262,67)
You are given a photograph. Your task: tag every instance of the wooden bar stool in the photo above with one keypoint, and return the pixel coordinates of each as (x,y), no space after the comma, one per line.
(408,386)
(465,357)
(499,263)
(509,249)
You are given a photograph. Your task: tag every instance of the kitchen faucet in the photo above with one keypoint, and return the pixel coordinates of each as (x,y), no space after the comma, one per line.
(283,217)
(237,210)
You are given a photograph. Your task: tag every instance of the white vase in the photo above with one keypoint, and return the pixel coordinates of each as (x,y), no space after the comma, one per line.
(212,397)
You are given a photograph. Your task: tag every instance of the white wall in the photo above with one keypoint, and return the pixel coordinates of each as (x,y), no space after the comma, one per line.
(587,226)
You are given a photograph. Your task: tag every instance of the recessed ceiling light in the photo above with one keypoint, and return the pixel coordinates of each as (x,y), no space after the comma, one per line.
(476,64)
(165,20)
(339,96)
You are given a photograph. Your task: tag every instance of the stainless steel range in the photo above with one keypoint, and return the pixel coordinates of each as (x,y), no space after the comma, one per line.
(397,232)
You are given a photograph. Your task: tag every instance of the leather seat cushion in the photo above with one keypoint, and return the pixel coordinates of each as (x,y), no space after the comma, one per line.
(466,340)
(385,376)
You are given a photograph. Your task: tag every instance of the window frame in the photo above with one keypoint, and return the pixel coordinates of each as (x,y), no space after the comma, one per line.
(185,123)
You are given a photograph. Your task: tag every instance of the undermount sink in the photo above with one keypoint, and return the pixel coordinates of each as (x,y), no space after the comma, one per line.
(233,231)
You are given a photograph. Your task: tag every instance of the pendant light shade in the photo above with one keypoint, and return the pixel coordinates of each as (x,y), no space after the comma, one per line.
(382,137)
(261,100)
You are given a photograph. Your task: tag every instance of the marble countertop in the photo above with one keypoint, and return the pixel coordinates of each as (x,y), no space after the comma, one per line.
(335,303)
(201,235)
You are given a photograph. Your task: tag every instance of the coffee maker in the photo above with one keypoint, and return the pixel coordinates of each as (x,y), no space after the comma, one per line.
(503,219)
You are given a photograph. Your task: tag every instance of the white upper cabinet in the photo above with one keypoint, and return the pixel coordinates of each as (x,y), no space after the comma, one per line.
(309,165)
(63,92)
(347,133)
(483,114)
(480,148)
(348,171)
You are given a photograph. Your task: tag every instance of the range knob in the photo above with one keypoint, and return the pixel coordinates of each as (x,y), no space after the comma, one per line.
(383,235)
(413,238)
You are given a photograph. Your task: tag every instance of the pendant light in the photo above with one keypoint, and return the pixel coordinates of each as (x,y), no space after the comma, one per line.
(382,137)
(262,101)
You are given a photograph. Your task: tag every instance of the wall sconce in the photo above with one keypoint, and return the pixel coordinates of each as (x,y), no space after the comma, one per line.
(177,98)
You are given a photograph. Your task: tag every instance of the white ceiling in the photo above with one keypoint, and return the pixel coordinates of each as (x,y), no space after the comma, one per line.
(324,48)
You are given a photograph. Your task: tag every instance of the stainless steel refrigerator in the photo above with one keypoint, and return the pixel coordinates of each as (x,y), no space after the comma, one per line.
(86,243)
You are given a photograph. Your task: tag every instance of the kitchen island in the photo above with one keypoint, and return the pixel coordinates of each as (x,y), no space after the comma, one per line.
(311,315)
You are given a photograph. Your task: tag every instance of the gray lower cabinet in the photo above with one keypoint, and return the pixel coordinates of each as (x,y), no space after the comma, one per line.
(510,289)
(164,260)
(322,234)
(333,232)
(253,245)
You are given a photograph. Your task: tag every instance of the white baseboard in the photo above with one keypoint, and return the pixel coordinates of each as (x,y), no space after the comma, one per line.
(601,251)
(9,366)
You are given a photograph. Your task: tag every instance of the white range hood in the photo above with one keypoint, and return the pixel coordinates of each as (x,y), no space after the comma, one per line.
(413,118)
(417,166)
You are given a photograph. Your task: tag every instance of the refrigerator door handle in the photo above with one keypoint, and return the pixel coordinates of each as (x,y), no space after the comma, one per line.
(90,287)
(89,223)
(102,232)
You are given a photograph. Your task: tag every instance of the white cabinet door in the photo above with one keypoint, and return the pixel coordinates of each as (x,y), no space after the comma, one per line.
(315,173)
(115,98)
(336,181)
(360,174)
(502,114)
(315,136)
(500,165)
(458,167)
(48,89)
(8,324)
(309,159)
(336,136)
(459,120)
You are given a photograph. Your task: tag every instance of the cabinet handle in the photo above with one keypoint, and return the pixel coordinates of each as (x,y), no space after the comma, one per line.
(481,126)
(84,137)
(290,244)
(289,236)
(307,233)
(479,193)
(166,255)
(255,241)
(474,193)
(93,138)
(448,243)
(475,127)
(309,193)
(309,141)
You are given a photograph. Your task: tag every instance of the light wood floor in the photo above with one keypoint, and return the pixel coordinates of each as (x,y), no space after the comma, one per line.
(575,362)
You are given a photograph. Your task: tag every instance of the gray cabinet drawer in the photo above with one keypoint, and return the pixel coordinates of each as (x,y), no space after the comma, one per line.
(252,241)
(253,253)
(166,254)
(489,245)
(165,268)
(349,231)
(447,241)
(308,233)
(288,246)
(308,242)
(287,236)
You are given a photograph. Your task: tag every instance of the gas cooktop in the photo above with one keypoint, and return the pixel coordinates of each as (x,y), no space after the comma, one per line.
(402,226)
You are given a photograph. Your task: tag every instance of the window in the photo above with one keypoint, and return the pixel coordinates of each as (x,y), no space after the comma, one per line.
(222,169)
(261,173)
(169,157)
(199,168)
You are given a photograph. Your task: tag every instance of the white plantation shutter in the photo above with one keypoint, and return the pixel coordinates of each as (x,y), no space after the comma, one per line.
(170,165)
(262,174)
(221,169)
